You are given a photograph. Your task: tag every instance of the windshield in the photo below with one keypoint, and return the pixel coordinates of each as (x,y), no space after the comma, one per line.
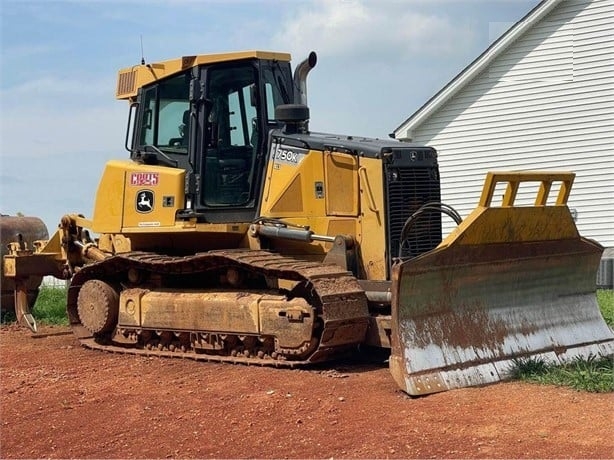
(166,115)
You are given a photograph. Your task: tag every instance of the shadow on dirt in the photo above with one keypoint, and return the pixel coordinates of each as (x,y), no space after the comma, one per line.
(367,359)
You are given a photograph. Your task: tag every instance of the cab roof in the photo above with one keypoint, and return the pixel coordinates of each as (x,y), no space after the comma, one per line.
(130,79)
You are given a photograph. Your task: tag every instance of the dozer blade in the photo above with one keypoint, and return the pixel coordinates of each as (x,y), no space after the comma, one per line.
(510,282)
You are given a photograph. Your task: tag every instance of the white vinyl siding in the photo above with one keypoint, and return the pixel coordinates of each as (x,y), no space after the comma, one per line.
(546,102)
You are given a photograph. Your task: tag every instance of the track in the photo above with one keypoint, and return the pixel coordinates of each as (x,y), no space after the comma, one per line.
(335,295)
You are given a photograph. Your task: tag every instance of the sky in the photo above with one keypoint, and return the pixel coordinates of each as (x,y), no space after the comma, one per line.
(378,62)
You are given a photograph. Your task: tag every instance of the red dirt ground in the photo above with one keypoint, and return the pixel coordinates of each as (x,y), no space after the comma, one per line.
(59,400)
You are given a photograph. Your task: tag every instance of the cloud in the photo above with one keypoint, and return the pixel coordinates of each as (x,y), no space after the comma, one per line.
(49,115)
(377,60)
(55,86)
(28,51)
(42,131)
(49,187)
(379,30)
(7,180)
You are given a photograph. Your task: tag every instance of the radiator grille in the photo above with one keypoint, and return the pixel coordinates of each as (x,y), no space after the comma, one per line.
(408,188)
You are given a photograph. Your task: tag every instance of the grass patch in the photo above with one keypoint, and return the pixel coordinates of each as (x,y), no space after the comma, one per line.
(595,374)
(605,298)
(50,306)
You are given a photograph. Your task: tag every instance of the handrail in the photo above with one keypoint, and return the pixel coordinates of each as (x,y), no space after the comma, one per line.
(362,171)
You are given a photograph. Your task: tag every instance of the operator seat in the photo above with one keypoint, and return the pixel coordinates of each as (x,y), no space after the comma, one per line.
(185,132)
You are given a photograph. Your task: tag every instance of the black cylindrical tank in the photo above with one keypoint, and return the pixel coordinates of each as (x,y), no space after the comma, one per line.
(31,229)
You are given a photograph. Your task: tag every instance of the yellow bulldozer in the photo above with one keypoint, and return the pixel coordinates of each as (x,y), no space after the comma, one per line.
(233,233)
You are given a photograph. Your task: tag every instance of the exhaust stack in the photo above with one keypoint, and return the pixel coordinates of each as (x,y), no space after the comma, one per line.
(300,78)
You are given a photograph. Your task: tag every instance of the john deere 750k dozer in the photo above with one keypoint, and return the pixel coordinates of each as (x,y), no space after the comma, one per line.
(234,233)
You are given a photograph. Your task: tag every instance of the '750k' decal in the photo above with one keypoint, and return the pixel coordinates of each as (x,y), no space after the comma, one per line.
(288,155)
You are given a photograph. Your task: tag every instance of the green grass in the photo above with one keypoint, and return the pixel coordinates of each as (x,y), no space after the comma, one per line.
(50,306)
(595,374)
(605,298)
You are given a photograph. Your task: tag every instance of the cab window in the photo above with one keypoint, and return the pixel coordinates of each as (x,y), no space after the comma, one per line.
(230,137)
(165,117)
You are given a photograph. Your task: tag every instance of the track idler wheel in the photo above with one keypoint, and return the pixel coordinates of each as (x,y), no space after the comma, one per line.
(98,306)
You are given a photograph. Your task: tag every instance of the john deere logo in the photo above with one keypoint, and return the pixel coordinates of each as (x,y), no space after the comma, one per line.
(144,201)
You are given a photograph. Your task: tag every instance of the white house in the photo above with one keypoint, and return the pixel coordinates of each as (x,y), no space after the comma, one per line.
(540,97)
